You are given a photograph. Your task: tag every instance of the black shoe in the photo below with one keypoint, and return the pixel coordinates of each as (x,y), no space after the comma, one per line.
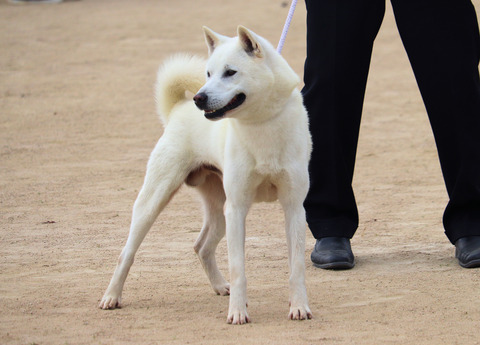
(468,251)
(333,253)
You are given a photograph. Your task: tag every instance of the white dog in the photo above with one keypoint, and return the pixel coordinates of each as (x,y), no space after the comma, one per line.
(258,152)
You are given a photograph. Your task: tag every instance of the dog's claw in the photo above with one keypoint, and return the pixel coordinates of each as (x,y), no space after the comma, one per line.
(238,318)
(222,290)
(109,303)
(300,313)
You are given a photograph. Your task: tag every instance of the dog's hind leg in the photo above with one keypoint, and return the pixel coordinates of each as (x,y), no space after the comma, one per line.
(166,171)
(213,230)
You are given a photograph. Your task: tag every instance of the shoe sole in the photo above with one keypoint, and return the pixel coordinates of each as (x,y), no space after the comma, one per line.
(335,265)
(470,264)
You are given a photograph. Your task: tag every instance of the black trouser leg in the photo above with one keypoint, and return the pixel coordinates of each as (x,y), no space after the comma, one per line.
(340,36)
(443,44)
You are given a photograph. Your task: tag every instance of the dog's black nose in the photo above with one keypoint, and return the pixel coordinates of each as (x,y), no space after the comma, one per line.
(200,100)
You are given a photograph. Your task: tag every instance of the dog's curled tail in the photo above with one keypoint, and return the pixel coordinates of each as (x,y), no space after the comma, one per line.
(178,74)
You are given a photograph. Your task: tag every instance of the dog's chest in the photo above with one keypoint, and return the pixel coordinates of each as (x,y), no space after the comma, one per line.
(268,167)
(267,155)
(271,171)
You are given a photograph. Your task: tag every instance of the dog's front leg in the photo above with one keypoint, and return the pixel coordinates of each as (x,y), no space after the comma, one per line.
(239,186)
(291,197)
(295,231)
(235,218)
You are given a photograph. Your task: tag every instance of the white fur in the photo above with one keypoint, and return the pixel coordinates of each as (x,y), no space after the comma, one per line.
(259,151)
(180,73)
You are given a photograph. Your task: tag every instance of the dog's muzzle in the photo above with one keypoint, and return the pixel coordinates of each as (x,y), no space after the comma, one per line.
(201,100)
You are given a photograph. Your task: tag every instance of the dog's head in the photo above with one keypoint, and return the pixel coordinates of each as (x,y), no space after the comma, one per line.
(246,78)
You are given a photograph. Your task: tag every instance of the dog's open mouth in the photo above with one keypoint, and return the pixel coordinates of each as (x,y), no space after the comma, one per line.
(234,103)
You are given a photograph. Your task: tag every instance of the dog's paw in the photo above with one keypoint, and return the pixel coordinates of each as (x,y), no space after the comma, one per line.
(299,313)
(110,302)
(238,317)
(222,289)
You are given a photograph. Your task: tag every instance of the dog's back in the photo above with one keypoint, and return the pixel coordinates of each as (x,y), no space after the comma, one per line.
(179,74)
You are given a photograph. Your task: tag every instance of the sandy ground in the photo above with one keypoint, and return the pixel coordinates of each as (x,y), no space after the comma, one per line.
(77,123)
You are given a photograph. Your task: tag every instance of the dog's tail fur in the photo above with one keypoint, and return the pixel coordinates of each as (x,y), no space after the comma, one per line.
(177,75)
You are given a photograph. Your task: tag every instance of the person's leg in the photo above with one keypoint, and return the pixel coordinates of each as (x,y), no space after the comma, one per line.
(340,36)
(443,44)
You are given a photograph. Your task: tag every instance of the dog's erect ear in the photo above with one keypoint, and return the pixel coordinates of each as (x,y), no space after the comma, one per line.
(249,43)
(212,38)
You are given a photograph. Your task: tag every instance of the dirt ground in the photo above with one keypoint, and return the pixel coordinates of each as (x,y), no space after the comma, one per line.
(77,124)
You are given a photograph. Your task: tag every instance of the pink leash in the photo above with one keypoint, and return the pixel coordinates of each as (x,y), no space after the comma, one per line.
(286,26)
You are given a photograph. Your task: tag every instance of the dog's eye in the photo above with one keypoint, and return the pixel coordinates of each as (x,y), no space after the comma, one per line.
(208,74)
(229,73)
